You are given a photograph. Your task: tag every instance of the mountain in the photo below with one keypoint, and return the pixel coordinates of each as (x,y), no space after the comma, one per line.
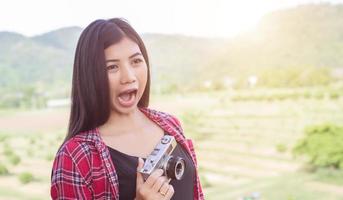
(46,60)
(175,59)
(64,38)
(290,41)
(27,61)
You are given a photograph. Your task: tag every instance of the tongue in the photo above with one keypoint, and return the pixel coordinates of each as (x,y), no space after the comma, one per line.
(125,96)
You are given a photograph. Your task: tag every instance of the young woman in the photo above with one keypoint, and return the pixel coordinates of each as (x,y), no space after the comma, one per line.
(111,127)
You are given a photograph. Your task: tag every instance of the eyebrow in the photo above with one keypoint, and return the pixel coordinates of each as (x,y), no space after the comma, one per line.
(115,60)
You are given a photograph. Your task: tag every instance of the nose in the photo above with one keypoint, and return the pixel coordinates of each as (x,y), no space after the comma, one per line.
(127,75)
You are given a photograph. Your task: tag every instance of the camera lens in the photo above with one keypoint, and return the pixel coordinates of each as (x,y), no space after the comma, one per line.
(176,168)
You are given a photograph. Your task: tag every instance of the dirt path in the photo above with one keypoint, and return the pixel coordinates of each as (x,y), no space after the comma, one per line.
(33,121)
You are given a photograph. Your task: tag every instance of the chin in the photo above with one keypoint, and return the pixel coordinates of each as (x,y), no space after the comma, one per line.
(122,110)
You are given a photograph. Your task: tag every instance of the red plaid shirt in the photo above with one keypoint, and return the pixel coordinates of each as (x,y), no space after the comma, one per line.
(83,168)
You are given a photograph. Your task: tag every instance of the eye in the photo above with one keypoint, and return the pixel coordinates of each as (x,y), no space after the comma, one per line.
(112,67)
(137,60)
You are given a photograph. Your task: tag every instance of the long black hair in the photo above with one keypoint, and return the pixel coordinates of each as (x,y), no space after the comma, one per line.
(90,95)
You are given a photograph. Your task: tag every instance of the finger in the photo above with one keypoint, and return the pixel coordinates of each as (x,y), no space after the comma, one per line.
(170,193)
(164,188)
(153,177)
(158,183)
(140,179)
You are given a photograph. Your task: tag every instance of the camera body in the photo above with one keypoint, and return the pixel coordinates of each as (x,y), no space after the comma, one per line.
(161,158)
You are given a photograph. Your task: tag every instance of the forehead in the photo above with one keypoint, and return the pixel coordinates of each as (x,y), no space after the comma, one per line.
(123,49)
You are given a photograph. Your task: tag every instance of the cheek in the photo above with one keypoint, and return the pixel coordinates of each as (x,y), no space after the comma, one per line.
(143,75)
(113,85)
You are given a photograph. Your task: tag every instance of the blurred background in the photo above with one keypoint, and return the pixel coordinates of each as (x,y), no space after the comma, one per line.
(257,85)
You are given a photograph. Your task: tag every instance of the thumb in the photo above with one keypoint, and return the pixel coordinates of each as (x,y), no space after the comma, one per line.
(140,179)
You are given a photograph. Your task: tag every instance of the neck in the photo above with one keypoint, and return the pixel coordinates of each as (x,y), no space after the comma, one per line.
(123,122)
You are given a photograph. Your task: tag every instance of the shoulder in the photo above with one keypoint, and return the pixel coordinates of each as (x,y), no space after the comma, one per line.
(76,151)
(167,120)
(170,118)
(74,146)
(81,143)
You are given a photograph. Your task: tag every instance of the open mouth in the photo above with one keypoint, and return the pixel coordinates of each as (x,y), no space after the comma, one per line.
(127,98)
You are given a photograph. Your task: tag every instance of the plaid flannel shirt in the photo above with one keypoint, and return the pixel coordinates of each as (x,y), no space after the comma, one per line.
(83,168)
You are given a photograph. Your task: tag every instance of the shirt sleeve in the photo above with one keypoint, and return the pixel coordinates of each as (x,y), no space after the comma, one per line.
(198,192)
(177,124)
(66,180)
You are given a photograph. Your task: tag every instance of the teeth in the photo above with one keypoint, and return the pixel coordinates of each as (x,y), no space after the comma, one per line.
(127,92)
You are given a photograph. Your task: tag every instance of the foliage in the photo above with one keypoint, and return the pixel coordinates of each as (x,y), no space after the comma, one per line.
(280,95)
(25,177)
(8,150)
(282,148)
(3,138)
(14,159)
(3,169)
(323,145)
(49,157)
(329,175)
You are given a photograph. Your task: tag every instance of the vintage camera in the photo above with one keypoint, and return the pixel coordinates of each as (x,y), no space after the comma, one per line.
(161,158)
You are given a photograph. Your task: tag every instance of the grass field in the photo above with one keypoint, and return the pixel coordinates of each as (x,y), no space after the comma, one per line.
(242,146)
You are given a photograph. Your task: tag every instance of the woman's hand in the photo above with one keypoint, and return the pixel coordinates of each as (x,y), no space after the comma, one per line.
(156,187)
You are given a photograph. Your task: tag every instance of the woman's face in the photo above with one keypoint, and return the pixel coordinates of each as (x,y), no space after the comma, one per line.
(127,74)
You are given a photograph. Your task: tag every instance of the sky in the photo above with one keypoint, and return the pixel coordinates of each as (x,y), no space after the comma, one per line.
(202,18)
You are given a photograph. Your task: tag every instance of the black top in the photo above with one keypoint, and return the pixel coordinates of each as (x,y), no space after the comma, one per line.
(126,168)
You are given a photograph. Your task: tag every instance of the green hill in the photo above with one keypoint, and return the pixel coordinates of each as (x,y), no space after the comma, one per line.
(299,45)
(30,61)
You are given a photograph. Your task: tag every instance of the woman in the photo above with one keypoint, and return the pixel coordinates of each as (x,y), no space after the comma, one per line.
(111,127)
